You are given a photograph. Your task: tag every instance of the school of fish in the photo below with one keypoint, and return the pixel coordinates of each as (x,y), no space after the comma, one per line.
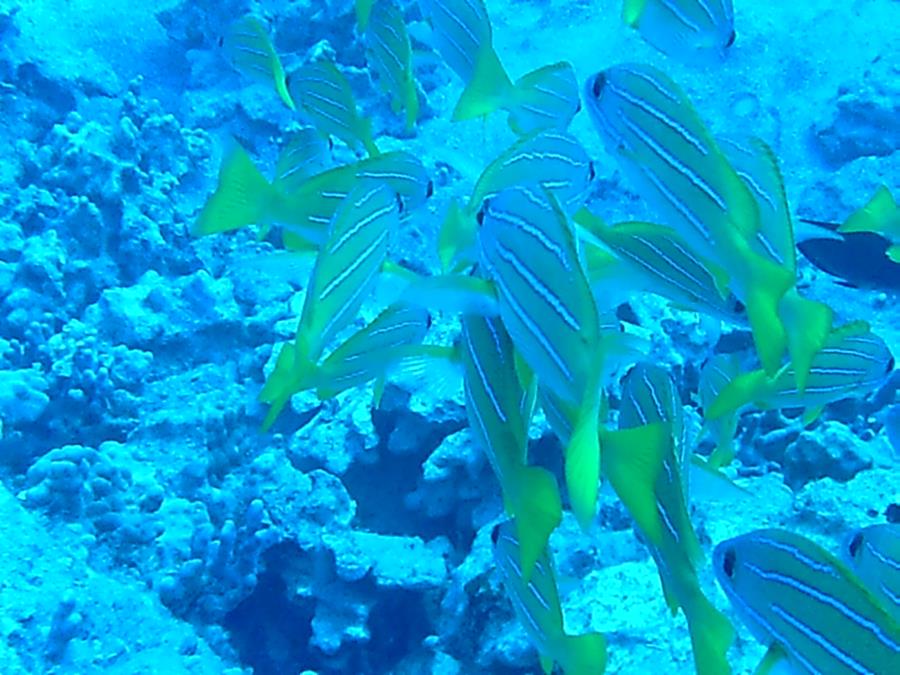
(536,277)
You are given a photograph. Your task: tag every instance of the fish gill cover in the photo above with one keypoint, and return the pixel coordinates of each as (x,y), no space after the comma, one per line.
(449,336)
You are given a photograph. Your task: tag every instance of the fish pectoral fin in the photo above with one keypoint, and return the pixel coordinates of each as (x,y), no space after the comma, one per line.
(546,664)
(893,253)
(810,415)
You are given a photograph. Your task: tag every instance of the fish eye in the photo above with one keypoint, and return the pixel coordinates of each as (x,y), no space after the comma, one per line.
(578,107)
(429,190)
(479,217)
(400,205)
(855,544)
(728,562)
(221,40)
(591,172)
(731,39)
(890,365)
(495,534)
(599,83)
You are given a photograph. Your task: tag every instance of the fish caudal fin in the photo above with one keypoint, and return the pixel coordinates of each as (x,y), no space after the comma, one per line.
(808,323)
(632,461)
(711,635)
(538,510)
(766,285)
(242,196)
(487,91)
(290,376)
(584,654)
(741,391)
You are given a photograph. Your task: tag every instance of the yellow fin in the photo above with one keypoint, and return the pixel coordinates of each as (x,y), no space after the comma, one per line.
(241,198)
(584,654)
(487,91)
(632,10)
(632,461)
(808,324)
(537,509)
(582,466)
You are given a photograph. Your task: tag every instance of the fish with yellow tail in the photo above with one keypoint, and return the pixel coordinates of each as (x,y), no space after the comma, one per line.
(303,207)
(665,150)
(806,606)
(697,32)
(649,396)
(389,52)
(853,362)
(537,606)
(546,97)
(528,250)
(499,409)
(343,276)
(552,159)
(324,96)
(252,54)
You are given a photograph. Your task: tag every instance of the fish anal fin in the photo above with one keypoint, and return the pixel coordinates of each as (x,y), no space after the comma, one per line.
(487,91)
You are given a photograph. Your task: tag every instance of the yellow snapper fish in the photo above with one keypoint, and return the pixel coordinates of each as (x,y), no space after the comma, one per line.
(853,362)
(536,603)
(343,276)
(654,259)
(528,250)
(649,396)
(880,216)
(697,32)
(546,97)
(499,409)
(389,53)
(552,159)
(807,322)
(666,151)
(325,98)
(874,553)
(302,205)
(806,606)
(363,10)
(252,54)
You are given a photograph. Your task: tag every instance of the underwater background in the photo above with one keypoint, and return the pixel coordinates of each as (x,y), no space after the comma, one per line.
(148,525)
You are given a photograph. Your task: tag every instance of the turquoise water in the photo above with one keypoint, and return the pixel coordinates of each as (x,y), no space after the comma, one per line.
(148,525)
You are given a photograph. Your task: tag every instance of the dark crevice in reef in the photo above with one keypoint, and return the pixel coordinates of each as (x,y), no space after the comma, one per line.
(269,632)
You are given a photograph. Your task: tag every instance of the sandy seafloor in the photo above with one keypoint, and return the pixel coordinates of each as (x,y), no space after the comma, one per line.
(146,526)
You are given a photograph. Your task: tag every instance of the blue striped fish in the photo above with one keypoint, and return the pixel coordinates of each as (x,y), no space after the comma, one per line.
(874,553)
(343,276)
(373,351)
(462,35)
(250,49)
(324,96)
(499,409)
(649,396)
(528,250)
(697,32)
(545,98)
(388,51)
(657,260)
(537,606)
(807,323)
(244,197)
(552,159)
(853,362)
(806,605)
(666,151)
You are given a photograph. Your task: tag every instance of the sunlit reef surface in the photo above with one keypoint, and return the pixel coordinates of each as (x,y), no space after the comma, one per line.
(146,523)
